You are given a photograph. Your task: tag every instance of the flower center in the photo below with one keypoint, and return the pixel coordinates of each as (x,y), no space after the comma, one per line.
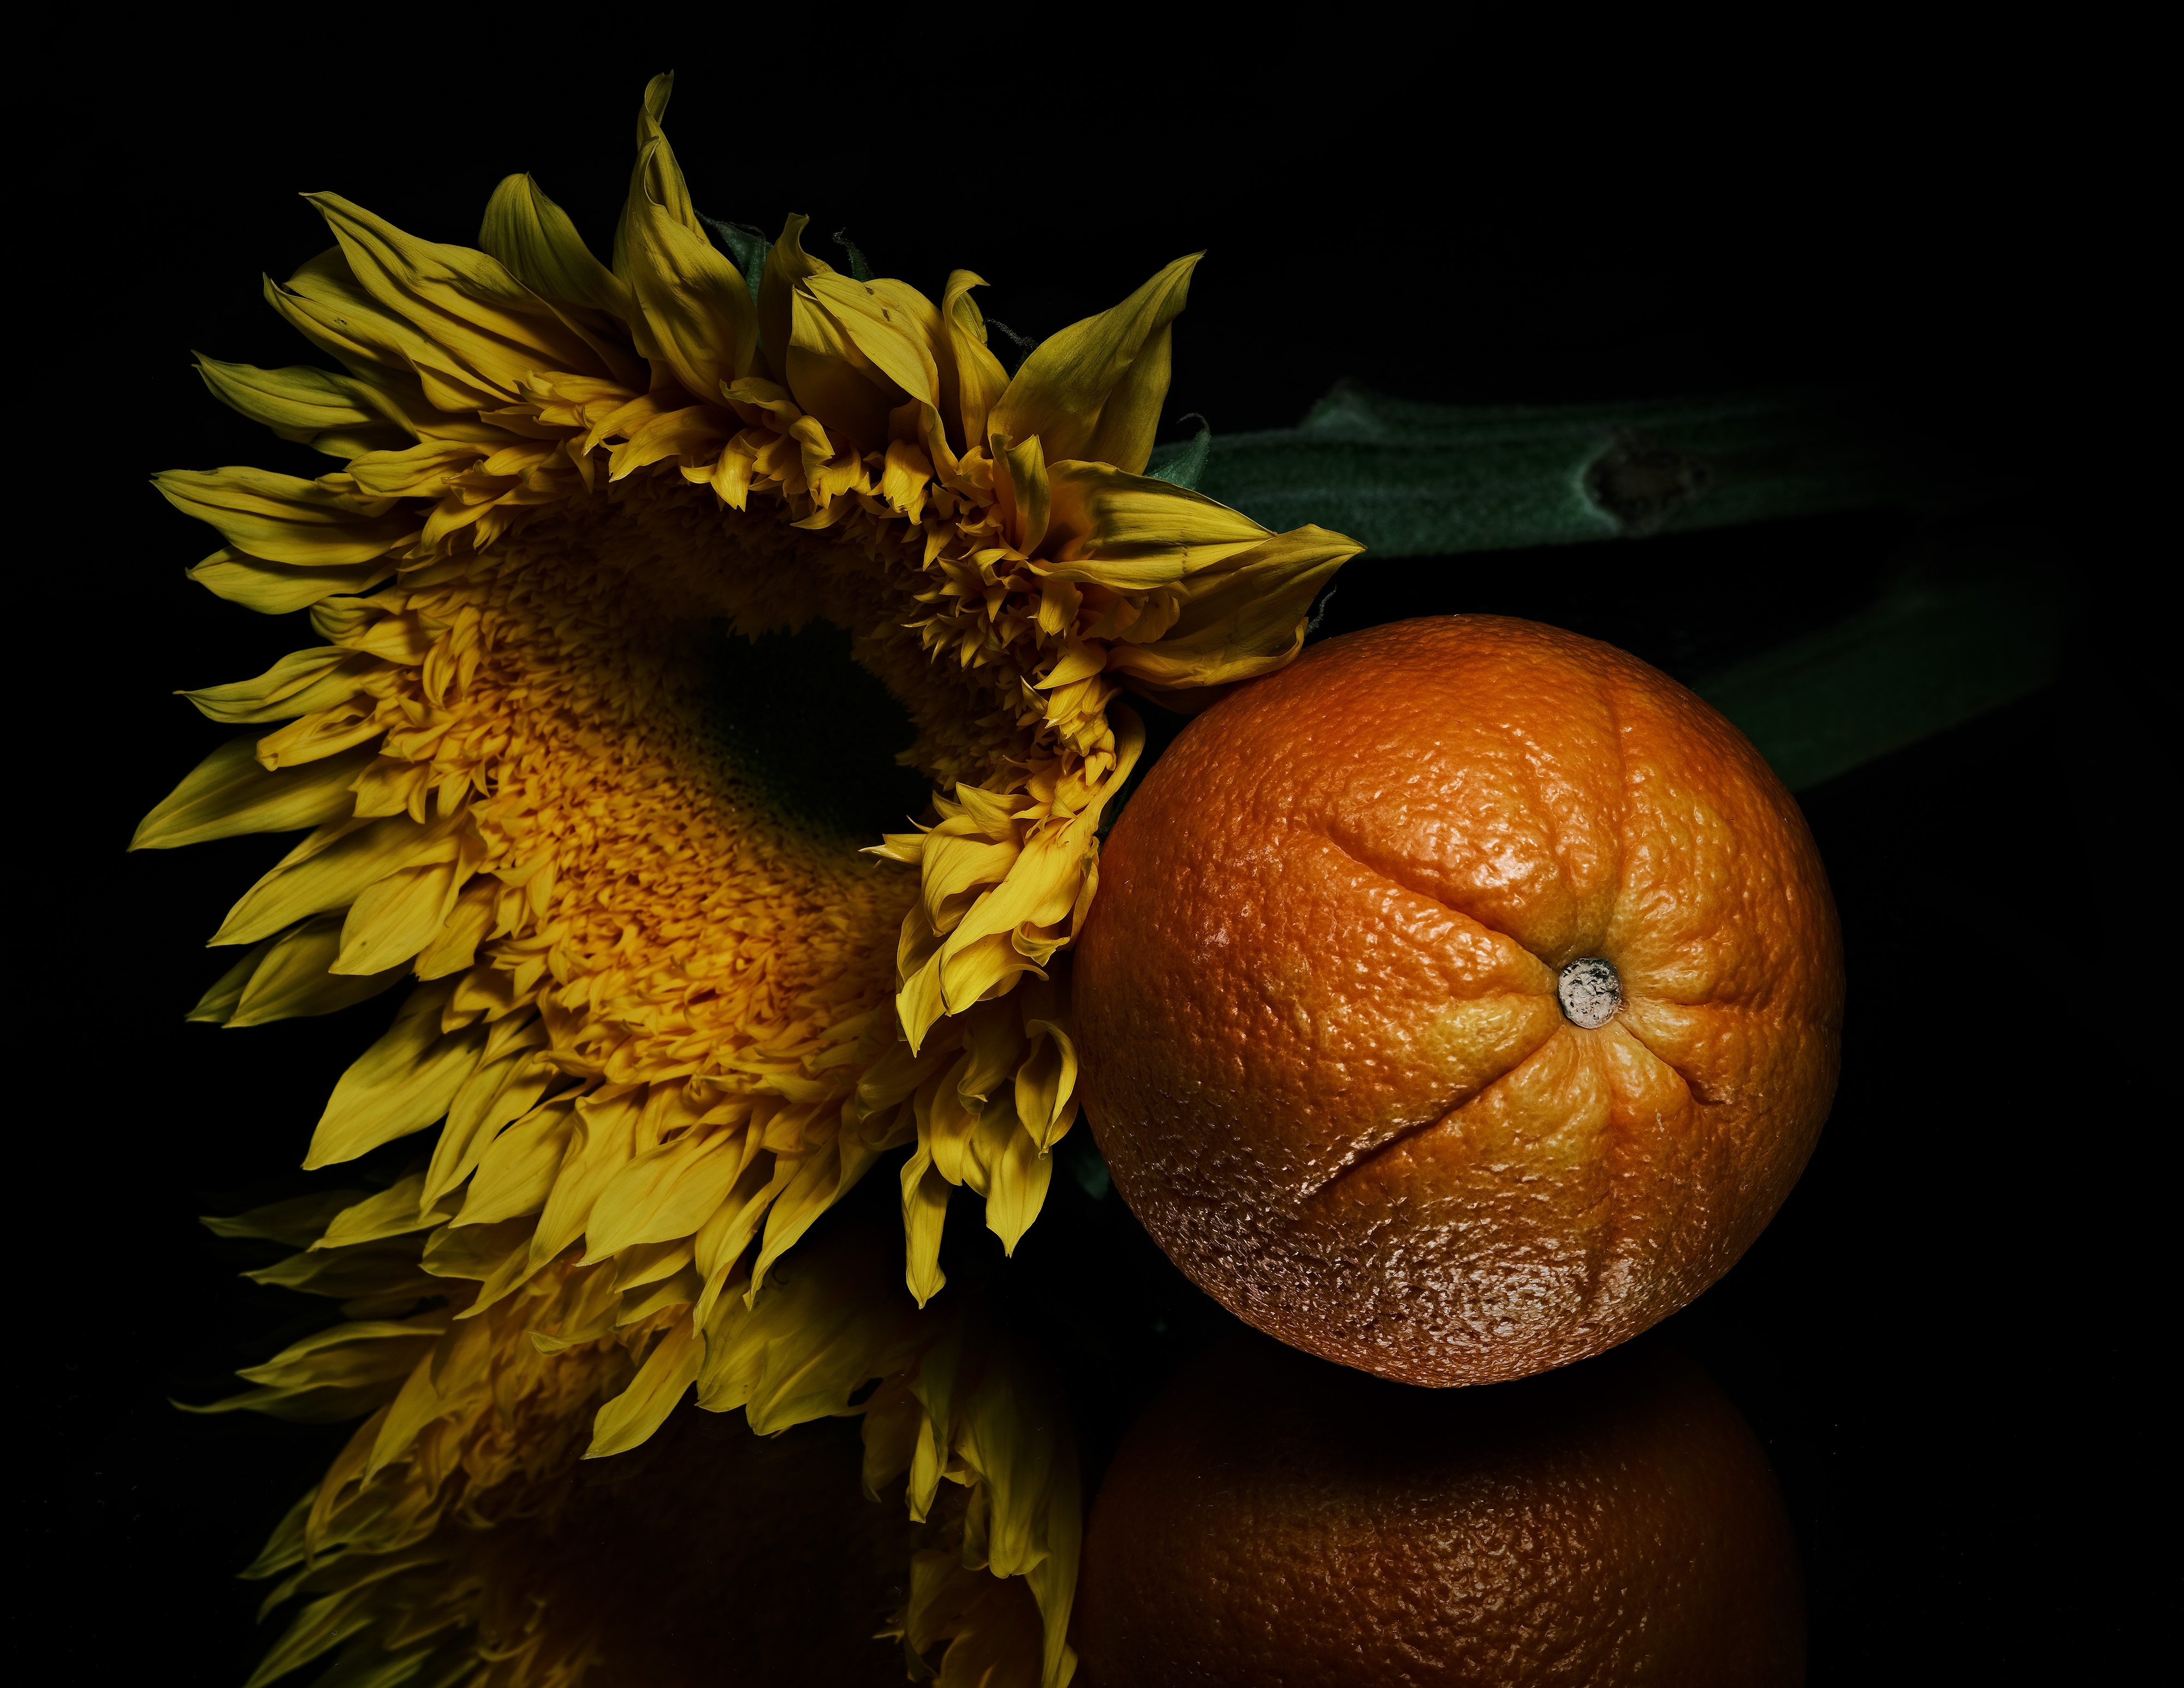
(798,717)
(1591,992)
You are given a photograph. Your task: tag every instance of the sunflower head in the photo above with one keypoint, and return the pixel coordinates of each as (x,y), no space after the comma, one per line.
(665,1003)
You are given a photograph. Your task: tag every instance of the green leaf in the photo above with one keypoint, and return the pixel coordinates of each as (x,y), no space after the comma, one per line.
(747,247)
(1931,655)
(1183,465)
(859,269)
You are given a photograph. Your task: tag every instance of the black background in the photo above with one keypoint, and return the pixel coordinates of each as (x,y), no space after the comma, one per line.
(1930,1339)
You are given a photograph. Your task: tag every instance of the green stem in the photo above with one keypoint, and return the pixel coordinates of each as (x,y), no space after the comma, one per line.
(1427,480)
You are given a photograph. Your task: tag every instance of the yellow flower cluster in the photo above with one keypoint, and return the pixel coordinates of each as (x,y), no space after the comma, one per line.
(489,1406)
(667,1024)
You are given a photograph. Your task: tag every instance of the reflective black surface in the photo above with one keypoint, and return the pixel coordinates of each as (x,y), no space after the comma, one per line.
(1936,1339)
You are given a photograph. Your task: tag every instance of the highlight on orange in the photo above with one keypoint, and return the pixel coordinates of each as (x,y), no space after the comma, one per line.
(1274,1519)
(1460,1001)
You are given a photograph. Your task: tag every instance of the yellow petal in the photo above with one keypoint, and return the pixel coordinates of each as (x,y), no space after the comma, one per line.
(663,1380)
(464,302)
(515,1175)
(722,1242)
(1094,390)
(605,1142)
(455,949)
(323,302)
(285,520)
(1039,890)
(1046,1084)
(301,402)
(230,792)
(925,1196)
(337,1373)
(1079,660)
(1244,619)
(650,1263)
(299,1222)
(1014,1435)
(421,470)
(1017,1179)
(396,918)
(979,968)
(218,1002)
(799,1347)
(679,1288)
(787,263)
(331,870)
(476,1251)
(891,325)
(694,306)
(506,1084)
(992,1047)
(657,178)
(953,868)
(535,240)
(947,1122)
(395,1211)
(287,977)
(695,430)
(972,378)
(1128,532)
(667,1192)
(828,1174)
(1025,495)
(402,1083)
(280,588)
(937,1387)
(992,1627)
(300,683)
(832,380)
(904,481)
(320,734)
(1053,1580)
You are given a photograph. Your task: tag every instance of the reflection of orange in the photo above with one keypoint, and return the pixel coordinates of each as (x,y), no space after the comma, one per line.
(1334,999)
(1273,1518)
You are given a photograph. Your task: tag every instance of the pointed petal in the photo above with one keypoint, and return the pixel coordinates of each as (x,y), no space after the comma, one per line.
(972,379)
(696,311)
(462,301)
(787,263)
(1094,390)
(281,588)
(1243,619)
(631,1416)
(534,239)
(402,1083)
(286,519)
(229,793)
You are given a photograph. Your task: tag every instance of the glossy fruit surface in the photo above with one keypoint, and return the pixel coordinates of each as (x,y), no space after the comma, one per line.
(1273,1518)
(1460,1001)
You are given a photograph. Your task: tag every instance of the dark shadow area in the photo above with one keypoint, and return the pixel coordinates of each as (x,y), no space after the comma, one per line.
(1933,1340)
(818,735)
(1687,603)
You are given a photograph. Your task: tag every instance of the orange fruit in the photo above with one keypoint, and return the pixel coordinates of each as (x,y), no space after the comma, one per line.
(1459,1001)
(1273,1518)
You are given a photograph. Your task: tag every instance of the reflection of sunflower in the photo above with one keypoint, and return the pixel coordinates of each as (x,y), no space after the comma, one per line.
(669,1010)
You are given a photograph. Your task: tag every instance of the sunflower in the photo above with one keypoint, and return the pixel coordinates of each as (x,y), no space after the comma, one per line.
(667,1004)
(455,1539)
